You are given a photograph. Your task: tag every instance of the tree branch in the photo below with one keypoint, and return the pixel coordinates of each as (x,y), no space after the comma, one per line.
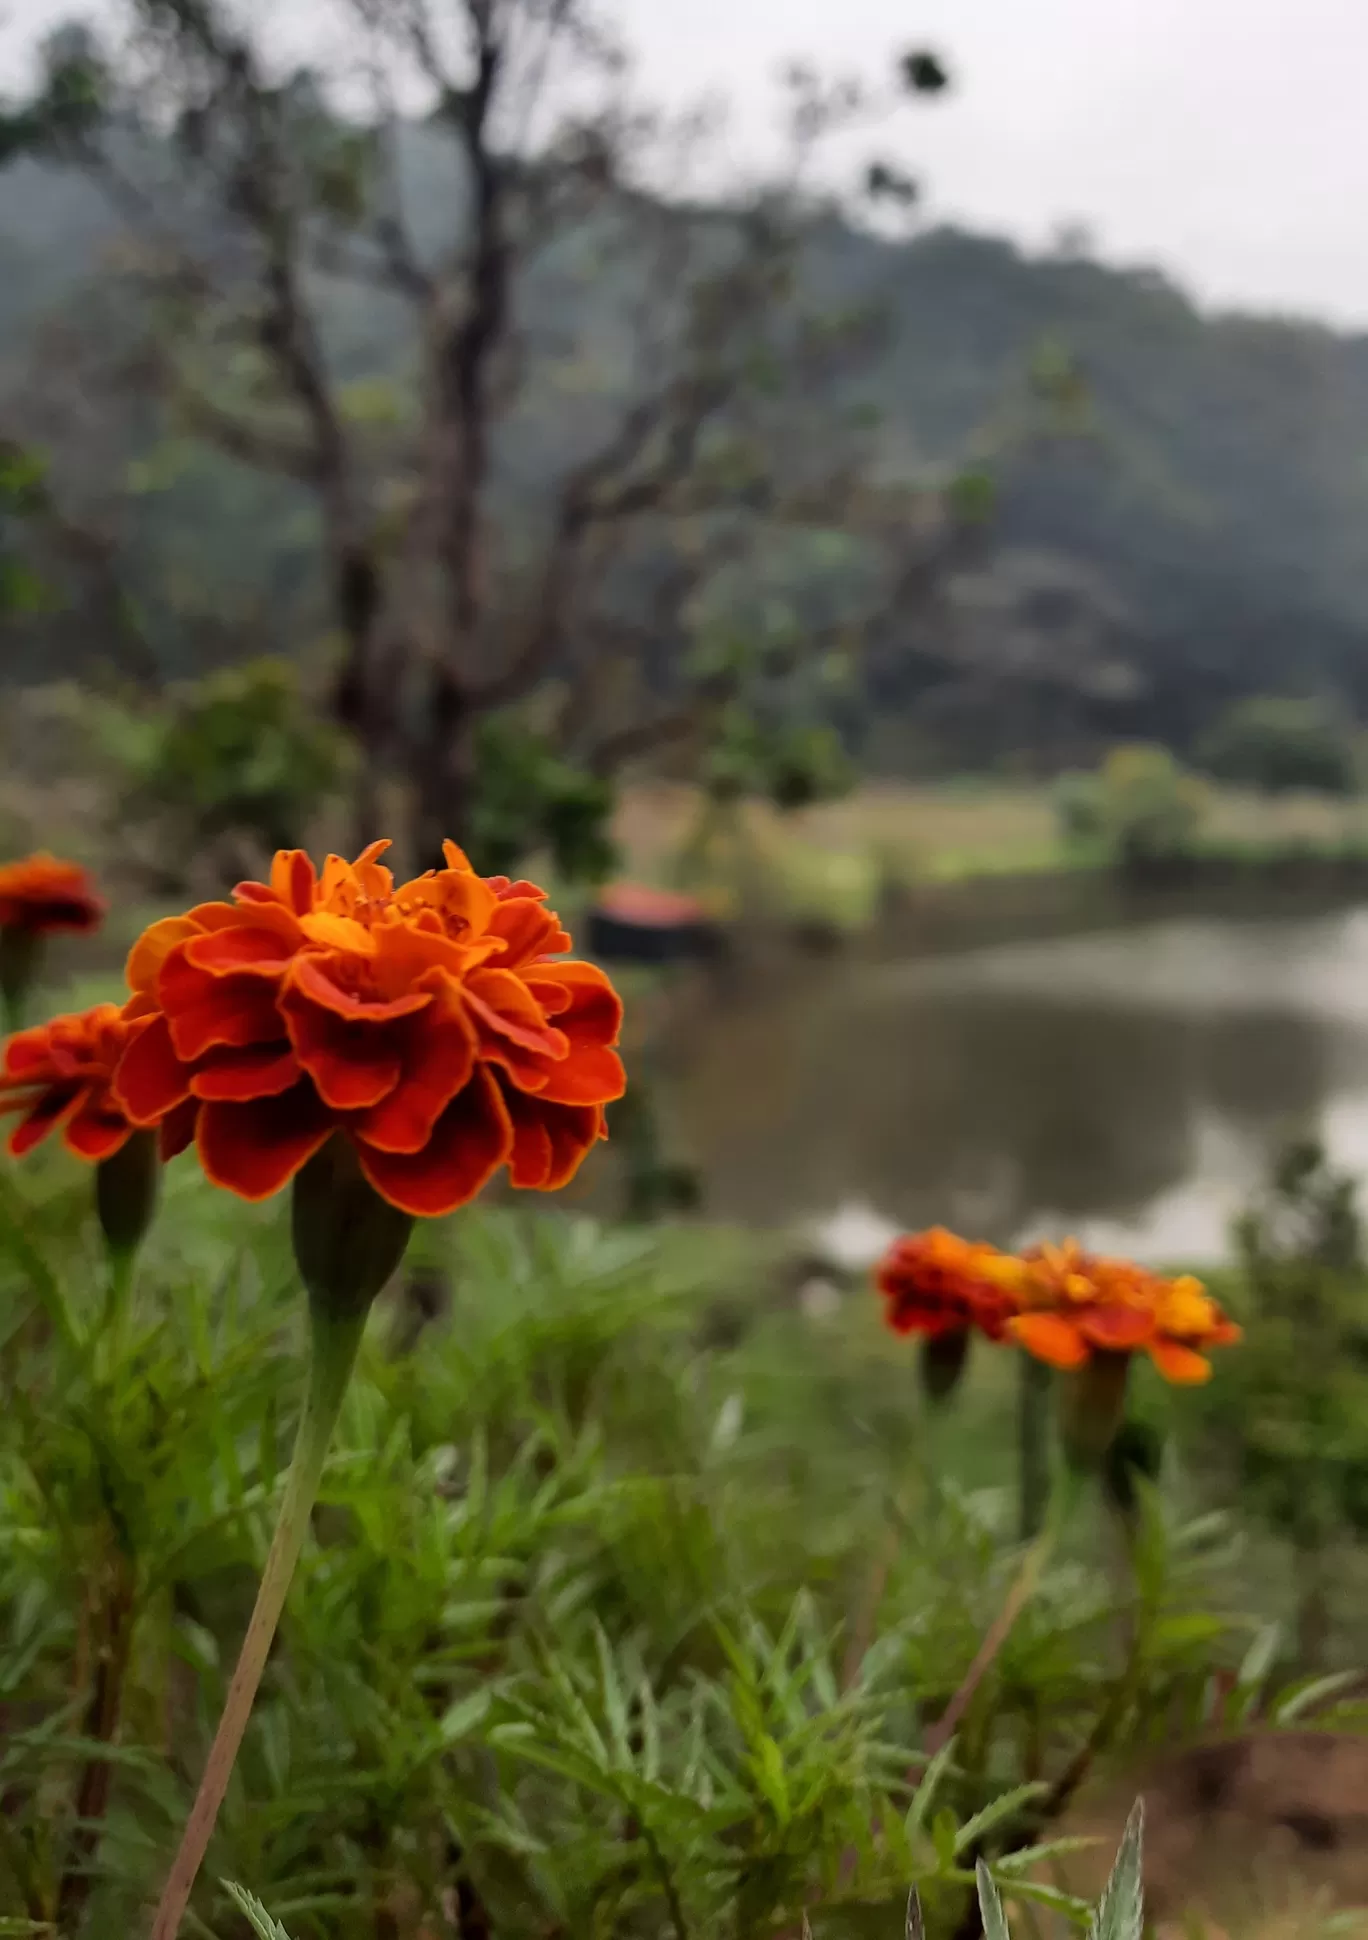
(250,444)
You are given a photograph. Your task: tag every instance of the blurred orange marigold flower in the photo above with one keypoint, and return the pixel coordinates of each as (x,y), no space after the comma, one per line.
(1075,1304)
(40,894)
(936,1283)
(60,1075)
(436,1024)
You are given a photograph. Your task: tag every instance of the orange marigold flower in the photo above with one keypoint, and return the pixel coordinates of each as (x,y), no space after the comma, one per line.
(60,1076)
(436,1024)
(1076,1305)
(936,1283)
(41,894)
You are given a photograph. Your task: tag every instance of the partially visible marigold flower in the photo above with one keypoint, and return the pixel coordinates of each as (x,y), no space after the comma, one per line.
(1076,1305)
(59,1076)
(41,894)
(935,1283)
(435,1024)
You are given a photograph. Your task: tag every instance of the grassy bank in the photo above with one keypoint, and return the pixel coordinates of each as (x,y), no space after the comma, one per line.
(840,861)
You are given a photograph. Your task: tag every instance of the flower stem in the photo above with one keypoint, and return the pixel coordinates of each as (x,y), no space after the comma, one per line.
(1033,1449)
(118,1307)
(20,950)
(1063,1496)
(334,1345)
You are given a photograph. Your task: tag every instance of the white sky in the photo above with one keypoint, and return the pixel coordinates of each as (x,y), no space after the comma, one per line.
(1225,140)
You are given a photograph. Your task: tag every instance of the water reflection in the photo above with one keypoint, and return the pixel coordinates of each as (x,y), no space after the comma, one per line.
(1128,1086)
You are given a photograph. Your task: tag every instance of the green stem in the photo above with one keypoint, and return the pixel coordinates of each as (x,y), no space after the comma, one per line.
(1064,1495)
(1033,1444)
(118,1307)
(334,1346)
(20,952)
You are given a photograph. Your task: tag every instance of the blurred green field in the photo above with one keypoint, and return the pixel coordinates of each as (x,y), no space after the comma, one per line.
(838,858)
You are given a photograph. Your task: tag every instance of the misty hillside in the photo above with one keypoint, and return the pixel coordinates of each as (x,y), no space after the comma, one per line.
(1201,532)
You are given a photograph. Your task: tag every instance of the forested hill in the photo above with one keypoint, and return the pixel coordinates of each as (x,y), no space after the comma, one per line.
(1204,532)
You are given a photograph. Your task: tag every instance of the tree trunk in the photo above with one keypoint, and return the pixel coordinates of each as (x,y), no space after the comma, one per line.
(444,773)
(359,705)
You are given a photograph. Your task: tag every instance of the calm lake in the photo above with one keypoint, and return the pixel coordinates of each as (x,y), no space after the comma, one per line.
(1129,1086)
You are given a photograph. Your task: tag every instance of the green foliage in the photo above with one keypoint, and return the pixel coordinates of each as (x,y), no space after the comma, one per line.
(1140,810)
(570,1640)
(1119,1914)
(1276,744)
(791,763)
(69,103)
(529,799)
(23,495)
(258,1919)
(239,753)
(1290,1410)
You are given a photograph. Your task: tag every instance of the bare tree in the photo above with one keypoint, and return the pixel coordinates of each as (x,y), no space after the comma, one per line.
(472,569)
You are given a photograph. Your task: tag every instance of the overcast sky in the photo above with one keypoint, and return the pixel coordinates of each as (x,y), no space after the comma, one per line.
(1226,140)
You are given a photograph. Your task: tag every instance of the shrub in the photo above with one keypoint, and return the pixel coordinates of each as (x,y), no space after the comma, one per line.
(529,800)
(1291,1422)
(1140,809)
(1277,744)
(241,753)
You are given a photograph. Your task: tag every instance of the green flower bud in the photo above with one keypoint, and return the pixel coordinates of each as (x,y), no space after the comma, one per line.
(347,1239)
(20,951)
(944,1358)
(1092,1407)
(126,1188)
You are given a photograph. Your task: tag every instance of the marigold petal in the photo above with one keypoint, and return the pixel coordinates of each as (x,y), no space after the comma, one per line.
(593,1014)
(254,1149)
(1179,1364)
(177,1129)
(528,931)
(589,1076)
(463,900)
(438,1059)
(338,933)
(550,1142)
(96,1131)
(260,1071)
(503,1004)
(293,880)
(469,1142)
(310,982)
(42,893)
(1118,1328)
(1050,1338)
(51,1109)
(26,1054)
(244,949)
(205,1010)
(153,947)
(150,1079)
(219,915)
